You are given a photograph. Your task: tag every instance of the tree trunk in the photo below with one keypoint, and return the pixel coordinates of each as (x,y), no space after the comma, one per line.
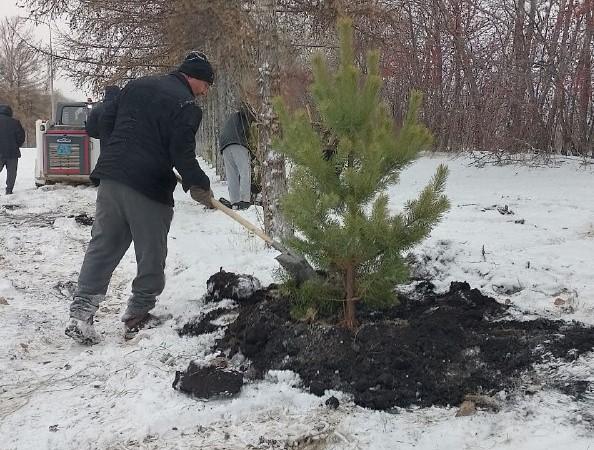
(584,89)
(456,120)
(571,96)
(350,313)
(434,72)
(556,122)
(274,184)
(518,79)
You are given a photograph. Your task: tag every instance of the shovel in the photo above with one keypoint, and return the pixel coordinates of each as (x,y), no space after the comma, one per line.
(293,263)
(296,265)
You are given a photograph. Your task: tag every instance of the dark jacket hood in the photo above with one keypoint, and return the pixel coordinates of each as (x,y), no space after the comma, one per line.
(6,110)
(110,93)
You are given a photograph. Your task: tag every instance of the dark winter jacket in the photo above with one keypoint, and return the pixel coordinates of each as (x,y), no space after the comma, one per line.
(92,125)
(236,130)
(12,135)
(150,129)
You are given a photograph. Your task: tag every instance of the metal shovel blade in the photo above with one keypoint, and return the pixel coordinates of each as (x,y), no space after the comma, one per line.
(296,265)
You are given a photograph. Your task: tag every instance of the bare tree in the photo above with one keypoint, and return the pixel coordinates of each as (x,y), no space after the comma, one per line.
(21,75)
(501,75)
(272,162)
(19,63)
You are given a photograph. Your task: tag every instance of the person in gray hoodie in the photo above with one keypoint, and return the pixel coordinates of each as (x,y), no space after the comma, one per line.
(234,145)
(12,137)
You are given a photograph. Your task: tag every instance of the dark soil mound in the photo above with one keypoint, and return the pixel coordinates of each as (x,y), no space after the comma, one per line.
(207,382)
(83,219)
(238,287)
(424,352)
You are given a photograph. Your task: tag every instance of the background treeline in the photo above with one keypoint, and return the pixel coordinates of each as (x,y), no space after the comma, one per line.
(498,75)
(23,76)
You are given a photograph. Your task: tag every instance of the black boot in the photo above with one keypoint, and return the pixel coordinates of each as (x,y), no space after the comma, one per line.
(241,205)
(8,191)
(225,202)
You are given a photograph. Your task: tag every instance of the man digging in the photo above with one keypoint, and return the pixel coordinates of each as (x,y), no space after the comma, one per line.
(149,129)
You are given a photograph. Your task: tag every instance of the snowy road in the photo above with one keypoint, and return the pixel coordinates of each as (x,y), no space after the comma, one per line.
(55,394)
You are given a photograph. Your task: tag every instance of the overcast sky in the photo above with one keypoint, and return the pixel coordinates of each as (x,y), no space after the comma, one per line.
(8,8)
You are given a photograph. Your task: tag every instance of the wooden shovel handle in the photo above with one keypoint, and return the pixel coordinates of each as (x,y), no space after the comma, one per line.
(239,219)
(246,224)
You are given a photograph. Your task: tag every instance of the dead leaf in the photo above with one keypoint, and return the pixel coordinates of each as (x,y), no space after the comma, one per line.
(220,362)
(483,401)
(467,408)
(310,315)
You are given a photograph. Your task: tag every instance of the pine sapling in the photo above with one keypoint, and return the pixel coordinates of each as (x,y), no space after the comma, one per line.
(341,168)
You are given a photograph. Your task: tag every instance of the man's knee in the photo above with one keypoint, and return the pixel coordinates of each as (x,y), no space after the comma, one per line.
(149,285)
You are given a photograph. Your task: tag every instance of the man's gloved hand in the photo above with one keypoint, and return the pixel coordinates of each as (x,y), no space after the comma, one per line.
(202,196)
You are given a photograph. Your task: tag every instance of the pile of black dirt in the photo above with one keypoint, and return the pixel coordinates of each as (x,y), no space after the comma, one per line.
(428,351)
(203,324)
(83,219)
(208,381)
(229,285)
(11,207)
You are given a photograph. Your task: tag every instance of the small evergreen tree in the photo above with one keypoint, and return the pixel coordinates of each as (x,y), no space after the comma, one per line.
(340,170)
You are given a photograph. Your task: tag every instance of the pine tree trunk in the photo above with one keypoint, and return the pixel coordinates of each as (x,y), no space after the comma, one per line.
(350,313)
(274,184)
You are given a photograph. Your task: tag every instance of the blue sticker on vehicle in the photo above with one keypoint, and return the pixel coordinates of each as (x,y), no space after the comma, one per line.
(64,150)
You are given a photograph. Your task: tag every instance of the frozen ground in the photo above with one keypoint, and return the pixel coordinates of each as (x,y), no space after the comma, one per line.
(55,394)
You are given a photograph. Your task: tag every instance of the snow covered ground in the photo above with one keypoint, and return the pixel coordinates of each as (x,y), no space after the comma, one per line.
(55,394)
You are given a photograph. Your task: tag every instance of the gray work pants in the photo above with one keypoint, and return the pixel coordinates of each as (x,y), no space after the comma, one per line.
(238,171)
(11,171)
(124,215)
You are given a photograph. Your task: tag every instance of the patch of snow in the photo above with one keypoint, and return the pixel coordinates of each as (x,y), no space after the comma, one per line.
(246,286)
(55,394)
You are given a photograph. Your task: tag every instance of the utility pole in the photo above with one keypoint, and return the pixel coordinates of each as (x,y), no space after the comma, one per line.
(51,75)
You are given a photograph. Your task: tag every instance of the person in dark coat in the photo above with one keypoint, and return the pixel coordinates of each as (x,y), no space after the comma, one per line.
(12,137)
(92,126)
(234,145)
(148,130)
